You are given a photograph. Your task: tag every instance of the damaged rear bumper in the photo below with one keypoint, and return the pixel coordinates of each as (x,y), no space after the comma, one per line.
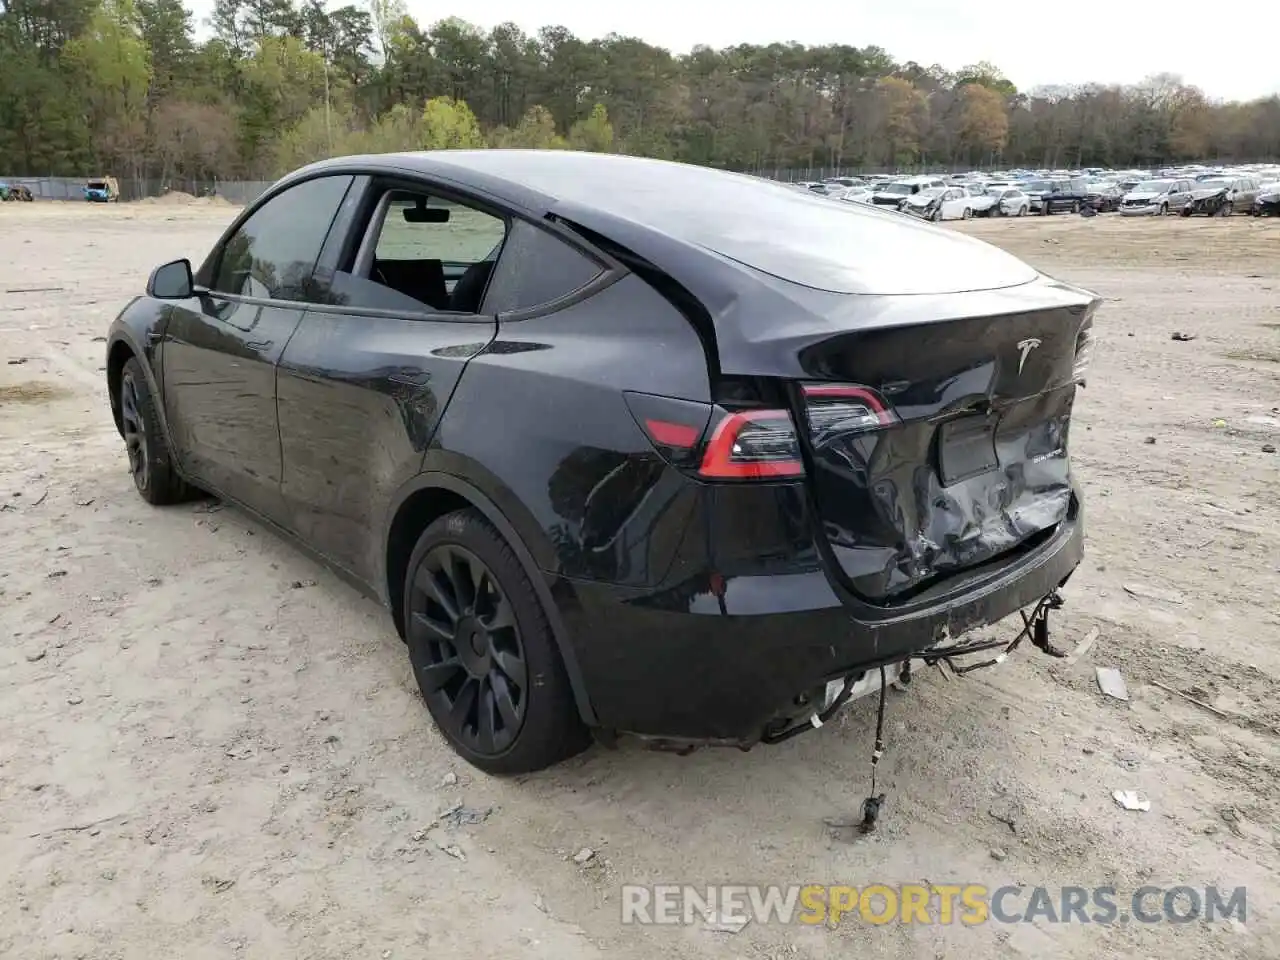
(720,658)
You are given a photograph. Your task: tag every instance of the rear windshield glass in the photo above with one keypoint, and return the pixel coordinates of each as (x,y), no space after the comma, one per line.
(839,247)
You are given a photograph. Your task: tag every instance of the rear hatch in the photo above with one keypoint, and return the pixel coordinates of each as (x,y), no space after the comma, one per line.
(938,447)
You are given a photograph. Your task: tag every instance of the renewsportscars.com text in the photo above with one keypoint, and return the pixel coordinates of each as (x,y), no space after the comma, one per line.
(968,904)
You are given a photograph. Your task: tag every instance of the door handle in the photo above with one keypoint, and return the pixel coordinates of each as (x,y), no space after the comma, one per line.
(258,344)
(154,337)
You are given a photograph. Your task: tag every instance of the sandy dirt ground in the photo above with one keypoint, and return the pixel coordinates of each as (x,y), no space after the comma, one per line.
(212,748)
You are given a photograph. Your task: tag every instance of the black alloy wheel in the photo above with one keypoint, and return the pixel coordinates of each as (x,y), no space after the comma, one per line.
(135,434)
(483,650)
(473,673)
(150,462)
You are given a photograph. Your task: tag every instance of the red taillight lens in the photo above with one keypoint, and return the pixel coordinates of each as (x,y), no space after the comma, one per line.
(679,436)
(753,445)
(762,444)
(674,427)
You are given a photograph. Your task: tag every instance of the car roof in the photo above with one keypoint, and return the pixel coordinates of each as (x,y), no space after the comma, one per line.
(664,211)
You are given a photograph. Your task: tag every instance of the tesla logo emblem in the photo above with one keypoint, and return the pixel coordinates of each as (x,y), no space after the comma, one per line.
(1024,348)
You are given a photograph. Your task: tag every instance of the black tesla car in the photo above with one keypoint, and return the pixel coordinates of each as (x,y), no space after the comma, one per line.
(623,444)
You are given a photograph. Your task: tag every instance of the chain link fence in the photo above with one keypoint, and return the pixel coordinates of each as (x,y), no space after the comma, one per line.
(798,174)
(238,192)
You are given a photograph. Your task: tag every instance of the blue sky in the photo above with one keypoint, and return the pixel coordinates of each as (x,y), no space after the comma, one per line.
(1209,49)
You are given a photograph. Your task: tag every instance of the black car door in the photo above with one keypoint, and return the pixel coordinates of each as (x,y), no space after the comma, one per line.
(366,376)
(220,350)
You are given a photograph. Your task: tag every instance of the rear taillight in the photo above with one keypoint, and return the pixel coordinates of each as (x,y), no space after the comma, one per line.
(753,445)
(674,427)
(762,444)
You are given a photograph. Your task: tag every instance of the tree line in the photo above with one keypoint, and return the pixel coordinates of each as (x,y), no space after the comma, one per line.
(126,87)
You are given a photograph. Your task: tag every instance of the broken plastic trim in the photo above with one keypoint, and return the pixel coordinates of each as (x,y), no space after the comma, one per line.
(1035,627)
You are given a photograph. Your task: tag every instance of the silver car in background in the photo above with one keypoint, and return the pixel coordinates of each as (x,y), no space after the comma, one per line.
(1156,198)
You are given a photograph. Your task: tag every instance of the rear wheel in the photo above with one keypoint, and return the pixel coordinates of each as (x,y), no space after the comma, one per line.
(483,651)
(150,461)
(1075,207)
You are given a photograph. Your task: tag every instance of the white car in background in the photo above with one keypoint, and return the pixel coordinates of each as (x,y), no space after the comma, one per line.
(1008,202)
(982,204)
(893,193)
(858,194)
(940,203)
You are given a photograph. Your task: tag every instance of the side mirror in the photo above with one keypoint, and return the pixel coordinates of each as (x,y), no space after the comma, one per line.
(171,281)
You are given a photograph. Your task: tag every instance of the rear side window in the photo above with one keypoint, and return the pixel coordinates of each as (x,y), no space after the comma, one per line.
(536,268)
(273,253)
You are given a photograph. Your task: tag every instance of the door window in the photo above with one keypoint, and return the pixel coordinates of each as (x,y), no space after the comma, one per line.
(273,253)
(424,253)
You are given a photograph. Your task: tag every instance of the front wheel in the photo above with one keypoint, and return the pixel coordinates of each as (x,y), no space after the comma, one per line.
(483,651)
(1164,210)
(150,460)
(1022,211)
(967,214)
(1227,209)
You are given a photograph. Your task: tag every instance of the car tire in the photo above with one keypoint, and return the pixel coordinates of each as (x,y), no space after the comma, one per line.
(1163,211)
(1022,211)
(150,460)
(483,651)
(1075,207)
(967,214)
(1227,209)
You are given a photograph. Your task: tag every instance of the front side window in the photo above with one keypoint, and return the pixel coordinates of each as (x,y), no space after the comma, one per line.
(423,253)
(273,253)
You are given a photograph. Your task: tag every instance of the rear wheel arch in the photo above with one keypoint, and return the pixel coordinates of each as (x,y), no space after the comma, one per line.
(435,494)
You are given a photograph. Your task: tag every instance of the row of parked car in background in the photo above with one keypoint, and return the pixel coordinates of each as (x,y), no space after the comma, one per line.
(16,191)
(1184,191)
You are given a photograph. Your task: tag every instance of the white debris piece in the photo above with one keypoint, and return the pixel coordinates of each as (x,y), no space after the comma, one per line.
(1111,682)
(1130,800)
